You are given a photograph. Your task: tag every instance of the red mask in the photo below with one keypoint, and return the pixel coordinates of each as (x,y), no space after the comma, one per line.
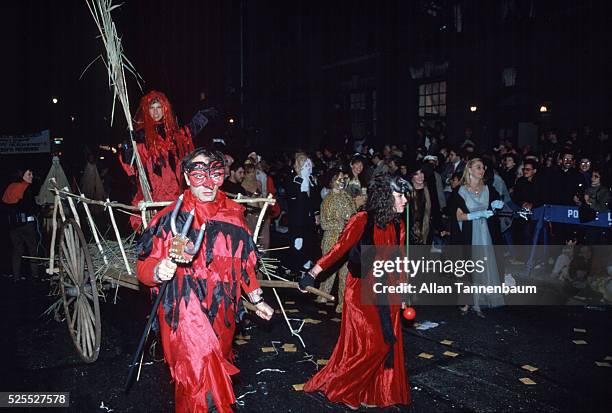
(206,174)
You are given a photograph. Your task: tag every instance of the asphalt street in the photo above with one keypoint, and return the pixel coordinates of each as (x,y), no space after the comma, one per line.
(484,375)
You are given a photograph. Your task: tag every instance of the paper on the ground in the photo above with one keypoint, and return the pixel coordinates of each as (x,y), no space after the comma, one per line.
(425,355)
(446,342)
(579,342)
(336,319)
(602,364)
(298,387)
(322,362)
(268,349)
(322,312)
(426,325)
(579,330)
(292,310)
(289,302)
(311,321)
(527,380)
(450,354)
(240,342)
(529,368)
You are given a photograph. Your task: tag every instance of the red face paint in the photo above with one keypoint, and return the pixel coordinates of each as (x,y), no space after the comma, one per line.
(208,175)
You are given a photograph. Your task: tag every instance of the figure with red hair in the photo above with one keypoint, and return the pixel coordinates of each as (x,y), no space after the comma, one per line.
(161,144)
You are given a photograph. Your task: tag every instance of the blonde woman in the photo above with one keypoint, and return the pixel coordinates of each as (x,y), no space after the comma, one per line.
(473,223)
(303,202)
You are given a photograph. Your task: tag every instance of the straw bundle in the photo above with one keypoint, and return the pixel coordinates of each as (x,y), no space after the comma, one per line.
(116,63)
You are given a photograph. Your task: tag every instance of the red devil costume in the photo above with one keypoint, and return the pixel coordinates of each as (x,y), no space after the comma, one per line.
(367,365)
(161,145)
(198,313)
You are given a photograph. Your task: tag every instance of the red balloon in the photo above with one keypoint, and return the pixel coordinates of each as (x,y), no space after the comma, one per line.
(409,313)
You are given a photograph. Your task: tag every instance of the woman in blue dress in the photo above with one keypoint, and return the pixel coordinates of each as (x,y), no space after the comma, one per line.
(474,223)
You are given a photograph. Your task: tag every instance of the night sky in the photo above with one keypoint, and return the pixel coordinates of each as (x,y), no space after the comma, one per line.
(48,44)
(303,58)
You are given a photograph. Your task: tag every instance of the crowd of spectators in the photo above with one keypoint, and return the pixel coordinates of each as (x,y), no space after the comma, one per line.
(575,171)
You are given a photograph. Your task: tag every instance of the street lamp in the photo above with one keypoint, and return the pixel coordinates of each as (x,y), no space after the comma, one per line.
(473,108)
(231,121)
(543,109)
(54,100)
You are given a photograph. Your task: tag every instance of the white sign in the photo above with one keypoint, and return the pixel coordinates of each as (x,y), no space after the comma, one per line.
(28,143)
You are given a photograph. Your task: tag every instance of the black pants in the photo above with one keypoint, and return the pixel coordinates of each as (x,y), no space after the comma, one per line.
(24,238)
(299,257)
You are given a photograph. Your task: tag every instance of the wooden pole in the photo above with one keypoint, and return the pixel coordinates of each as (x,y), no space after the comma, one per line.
(51,268)
(292,284)
(94,229)
(74,211)
(260,218)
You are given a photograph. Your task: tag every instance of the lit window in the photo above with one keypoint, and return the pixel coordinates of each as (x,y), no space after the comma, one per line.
(432,99)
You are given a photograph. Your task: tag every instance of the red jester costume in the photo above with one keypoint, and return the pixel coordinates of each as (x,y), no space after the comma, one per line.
(198,313)
(367,364)
(161,144)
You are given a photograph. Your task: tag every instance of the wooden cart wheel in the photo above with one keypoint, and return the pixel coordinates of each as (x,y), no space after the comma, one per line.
(79,291)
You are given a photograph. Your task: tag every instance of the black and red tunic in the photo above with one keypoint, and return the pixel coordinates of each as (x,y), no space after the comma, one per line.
(201,303)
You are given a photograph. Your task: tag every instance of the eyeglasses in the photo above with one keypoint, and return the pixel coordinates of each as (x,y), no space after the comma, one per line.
(585,162)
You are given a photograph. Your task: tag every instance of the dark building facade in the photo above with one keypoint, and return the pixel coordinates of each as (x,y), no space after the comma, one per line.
(317,72)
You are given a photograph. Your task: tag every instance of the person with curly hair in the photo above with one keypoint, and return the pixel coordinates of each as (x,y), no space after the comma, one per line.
(367,365)
(358,184)
(420,208)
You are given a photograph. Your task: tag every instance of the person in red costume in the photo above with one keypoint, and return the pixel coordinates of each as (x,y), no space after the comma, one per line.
(161,143)
(367,364)
(197,315)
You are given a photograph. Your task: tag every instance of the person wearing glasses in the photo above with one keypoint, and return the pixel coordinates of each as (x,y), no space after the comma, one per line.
(585,170)
(566,183)
(529,192)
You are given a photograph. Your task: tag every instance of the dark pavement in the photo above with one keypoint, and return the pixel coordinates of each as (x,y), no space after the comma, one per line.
(38,355)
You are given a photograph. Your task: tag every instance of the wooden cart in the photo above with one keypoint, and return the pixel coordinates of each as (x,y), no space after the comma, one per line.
(81,271)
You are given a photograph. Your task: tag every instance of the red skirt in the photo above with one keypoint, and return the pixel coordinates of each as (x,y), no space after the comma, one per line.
(356,371)
(200,369)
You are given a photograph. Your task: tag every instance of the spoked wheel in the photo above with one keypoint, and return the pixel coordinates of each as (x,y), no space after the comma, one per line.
(79,292)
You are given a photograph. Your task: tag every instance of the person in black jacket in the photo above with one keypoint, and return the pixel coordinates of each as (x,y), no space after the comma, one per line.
(304,202)
(566,183)
(529,192)
(20,210)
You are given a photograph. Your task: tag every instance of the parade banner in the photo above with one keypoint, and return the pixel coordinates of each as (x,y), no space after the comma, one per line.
(26,143)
